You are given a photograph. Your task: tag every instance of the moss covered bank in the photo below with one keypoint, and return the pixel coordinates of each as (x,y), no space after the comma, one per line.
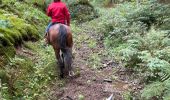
(20,21)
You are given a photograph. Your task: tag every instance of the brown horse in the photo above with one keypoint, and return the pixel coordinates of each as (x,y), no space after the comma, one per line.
(60,37)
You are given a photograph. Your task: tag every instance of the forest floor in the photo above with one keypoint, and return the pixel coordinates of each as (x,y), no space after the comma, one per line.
(100,76)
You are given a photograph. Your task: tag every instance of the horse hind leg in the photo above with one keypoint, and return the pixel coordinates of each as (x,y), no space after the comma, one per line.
(60,63)
(71,72)
(68,62)
(61,66)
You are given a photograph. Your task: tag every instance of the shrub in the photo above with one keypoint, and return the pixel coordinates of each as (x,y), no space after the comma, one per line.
(120,23)
(147,50)
(82,11)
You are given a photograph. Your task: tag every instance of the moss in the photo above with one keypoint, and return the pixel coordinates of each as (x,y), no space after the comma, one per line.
(18,31)
(32,16)
(11,37)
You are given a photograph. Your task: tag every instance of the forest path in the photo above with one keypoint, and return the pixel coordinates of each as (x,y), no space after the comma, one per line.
(100,76)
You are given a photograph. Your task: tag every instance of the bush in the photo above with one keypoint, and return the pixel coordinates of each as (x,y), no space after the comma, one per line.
(82,11)
(147,46)
(120,23)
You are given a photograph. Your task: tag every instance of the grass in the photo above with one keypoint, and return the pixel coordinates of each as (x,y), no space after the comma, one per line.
(94,61)
(92,43)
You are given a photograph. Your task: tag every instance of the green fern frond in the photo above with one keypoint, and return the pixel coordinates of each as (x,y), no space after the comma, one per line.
(154,89)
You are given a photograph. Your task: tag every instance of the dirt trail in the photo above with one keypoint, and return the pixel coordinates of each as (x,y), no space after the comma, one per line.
(92,84)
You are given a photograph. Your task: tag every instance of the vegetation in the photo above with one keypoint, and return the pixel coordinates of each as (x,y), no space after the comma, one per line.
(19,24)
(27,76)
(137,34)
(82,11)
(22,76)
(139,37)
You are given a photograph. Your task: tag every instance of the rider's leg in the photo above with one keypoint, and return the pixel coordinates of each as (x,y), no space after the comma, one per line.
(48,27)
(46,32)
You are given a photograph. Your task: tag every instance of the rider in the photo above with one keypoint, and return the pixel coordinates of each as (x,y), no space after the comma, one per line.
(59,13)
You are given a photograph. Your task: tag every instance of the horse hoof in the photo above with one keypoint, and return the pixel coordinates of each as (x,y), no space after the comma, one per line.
(71,73)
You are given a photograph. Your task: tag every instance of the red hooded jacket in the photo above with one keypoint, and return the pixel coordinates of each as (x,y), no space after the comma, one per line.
(59,13)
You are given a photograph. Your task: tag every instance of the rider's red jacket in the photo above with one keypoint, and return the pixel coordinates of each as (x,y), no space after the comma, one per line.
(59,12)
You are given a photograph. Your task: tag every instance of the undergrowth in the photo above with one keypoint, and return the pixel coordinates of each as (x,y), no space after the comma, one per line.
(24,76)
(28,76)
(138,36)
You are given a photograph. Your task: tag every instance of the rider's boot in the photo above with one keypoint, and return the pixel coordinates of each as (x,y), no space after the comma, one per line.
(46,42)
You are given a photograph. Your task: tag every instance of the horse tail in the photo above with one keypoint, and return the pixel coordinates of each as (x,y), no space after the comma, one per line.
(67,52)
(62,40)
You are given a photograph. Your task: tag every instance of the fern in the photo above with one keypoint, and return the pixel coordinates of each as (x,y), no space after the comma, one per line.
(154,89)
(166,95)
(5,24)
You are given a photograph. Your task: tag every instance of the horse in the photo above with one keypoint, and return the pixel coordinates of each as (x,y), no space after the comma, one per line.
(60,37)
